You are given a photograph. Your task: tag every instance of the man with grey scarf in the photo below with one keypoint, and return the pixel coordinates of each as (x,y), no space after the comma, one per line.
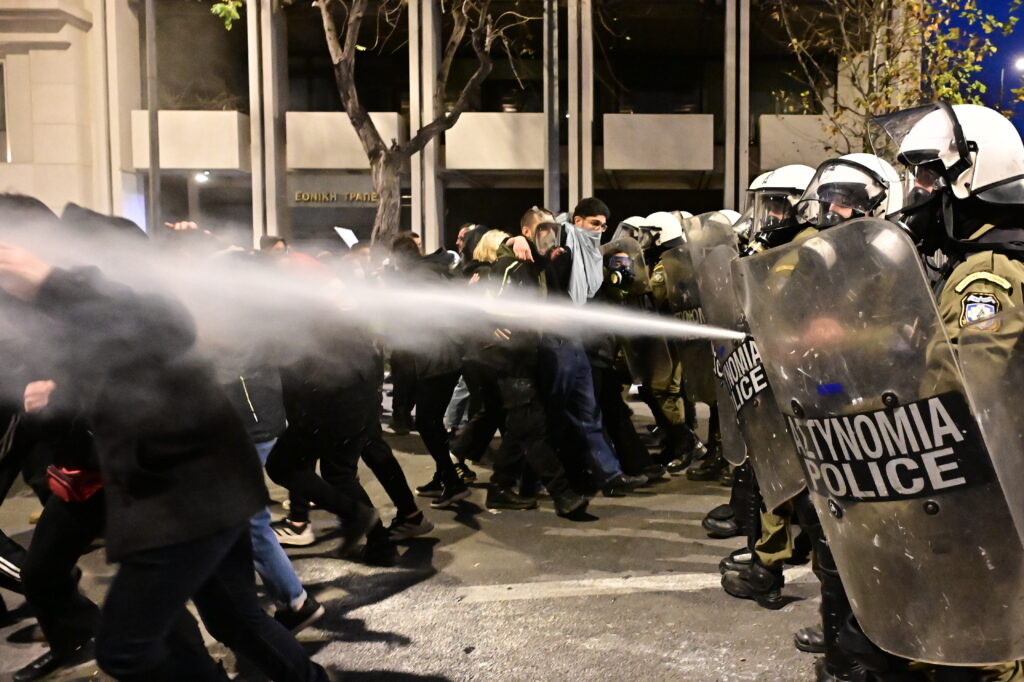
(566,379)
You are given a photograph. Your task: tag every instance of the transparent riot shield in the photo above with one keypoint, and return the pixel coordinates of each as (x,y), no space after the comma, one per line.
(684,301)
(919,524)
(991,354)
(636,280)
(707,231)
(743,389)
(681,284)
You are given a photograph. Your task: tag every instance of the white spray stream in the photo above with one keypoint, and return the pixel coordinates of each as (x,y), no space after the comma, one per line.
(244,304)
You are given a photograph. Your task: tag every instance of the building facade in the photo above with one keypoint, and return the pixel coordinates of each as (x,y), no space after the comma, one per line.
(651,105)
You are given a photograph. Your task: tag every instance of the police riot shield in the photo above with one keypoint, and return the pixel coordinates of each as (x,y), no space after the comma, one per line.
(991,354)
(743,389)
(681,284)
(625,267)
(684,302)
(733,449)
(707,231)
(919,524)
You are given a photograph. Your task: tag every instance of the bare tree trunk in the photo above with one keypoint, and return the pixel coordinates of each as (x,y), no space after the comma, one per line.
(387,172)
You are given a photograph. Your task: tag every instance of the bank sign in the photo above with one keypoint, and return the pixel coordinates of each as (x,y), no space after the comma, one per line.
(330,190)
(920,449)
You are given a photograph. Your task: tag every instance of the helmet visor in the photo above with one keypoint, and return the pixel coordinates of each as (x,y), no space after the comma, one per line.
(925,134)
(772,210)
(840,190)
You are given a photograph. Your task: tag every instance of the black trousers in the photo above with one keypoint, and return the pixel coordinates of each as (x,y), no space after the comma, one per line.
(403,380)
(65,530)
(380,459)
(632,454)
(432,397)
(149,593)
(485,421)
(525,440)
(335,432)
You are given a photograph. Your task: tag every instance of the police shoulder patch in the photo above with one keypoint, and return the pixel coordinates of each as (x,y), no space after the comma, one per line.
(979,306)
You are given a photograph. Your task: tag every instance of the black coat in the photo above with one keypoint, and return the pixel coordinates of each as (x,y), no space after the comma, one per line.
(177,463)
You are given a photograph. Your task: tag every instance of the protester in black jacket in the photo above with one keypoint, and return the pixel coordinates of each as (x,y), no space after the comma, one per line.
(180,474)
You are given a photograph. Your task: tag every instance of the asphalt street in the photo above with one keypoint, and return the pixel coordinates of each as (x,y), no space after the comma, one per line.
(521,595)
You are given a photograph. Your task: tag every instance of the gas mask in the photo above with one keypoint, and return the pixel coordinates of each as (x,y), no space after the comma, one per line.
(621,271)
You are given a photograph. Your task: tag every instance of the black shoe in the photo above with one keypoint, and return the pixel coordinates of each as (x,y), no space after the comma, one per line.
(810,640)
(50,663)
(381,554)
(354,530)
(674,466)
(655,472)
(432,488)
(465,473)
(709,469)
(620,484)
(570,505)
(758,583)
(720,530)
(736,561)
(296,620)
(450,494)
(728,477)
(506,498)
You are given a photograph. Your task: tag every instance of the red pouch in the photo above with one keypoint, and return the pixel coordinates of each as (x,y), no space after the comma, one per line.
(71,485)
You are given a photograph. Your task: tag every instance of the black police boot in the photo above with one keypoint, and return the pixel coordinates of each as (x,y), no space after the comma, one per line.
(746,501)
(709,469)
(720,522)
(810,639)
(801,550)
(505,498)
(737,561)
(822,673)
(837,664)
(757,582)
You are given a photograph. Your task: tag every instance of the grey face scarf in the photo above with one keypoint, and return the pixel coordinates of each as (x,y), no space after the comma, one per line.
(587,272)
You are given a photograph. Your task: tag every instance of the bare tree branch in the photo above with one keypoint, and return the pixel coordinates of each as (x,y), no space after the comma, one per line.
(343,57)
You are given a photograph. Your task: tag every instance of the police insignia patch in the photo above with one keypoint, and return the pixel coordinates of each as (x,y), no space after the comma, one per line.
(976,307)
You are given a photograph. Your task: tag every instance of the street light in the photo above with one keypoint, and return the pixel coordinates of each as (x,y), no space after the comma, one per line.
(1018,66)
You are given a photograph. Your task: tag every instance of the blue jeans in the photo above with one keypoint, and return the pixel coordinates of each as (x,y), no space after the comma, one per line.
(569,387)
(273,565)
(457,414)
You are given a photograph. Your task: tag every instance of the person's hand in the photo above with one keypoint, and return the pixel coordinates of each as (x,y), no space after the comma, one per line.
(521,248)
(37,395)
(503,334)
(182,225)
(475,278)
(21,271)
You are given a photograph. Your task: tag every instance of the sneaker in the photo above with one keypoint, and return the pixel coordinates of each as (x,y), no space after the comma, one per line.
(301,618)
(450,494)
(432,488)
(506,498)
(465,473)
(405,527)
(294,534)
